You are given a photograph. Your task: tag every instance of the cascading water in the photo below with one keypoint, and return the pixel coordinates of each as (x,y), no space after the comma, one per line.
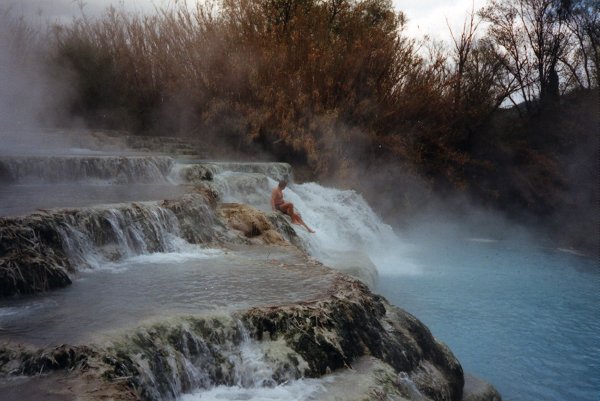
(29,183)
(343,219)
(113,233)
(539,343)
(147,243)
(253,375)
(349,234)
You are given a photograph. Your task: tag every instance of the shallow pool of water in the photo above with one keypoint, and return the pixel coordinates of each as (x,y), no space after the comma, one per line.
(27,198)
(525,318)
(125,294)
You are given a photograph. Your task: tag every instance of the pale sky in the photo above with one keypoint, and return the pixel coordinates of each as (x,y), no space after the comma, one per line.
(428,17)
(425,16)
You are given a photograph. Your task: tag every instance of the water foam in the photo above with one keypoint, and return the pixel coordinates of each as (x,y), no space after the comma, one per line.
(253,377)
(298,390)
(184,253)
(344,223)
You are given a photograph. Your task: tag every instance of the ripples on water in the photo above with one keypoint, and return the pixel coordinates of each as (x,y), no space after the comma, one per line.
(526,319)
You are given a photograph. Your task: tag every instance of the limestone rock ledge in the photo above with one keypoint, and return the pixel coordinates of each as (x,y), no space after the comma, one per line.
(350,326)
(41,251)
(309,339)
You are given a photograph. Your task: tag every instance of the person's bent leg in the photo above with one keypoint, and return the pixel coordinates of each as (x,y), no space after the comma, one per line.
(288,209)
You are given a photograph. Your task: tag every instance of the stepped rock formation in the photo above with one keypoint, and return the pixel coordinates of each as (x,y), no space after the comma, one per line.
(392,354)
(39,250)
(309,339)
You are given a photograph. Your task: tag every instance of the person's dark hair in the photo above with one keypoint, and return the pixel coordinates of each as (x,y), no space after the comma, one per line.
(282,183)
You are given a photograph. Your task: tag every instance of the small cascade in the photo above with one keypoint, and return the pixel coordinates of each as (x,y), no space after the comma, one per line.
(234,182)
(349,232)
(276,171)
(251,365)
(247,188)
(101,169)
(117,233)
(200,171)
(91,237)
(114,233)
(343,218)
(206,356)
(409,387)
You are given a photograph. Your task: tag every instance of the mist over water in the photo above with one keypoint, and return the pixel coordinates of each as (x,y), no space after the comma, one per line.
(30,98)
(523,317)
(517,313)
(515,310)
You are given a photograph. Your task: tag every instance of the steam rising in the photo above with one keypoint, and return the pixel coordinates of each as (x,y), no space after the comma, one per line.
(30,98)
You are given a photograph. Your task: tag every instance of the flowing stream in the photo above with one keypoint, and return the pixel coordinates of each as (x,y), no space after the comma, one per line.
(521,316)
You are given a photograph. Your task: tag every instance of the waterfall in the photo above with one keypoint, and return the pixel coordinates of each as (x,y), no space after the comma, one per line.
(115,233)
(93,237)
(343,219)
(235,182)
(349,236)
(122,232)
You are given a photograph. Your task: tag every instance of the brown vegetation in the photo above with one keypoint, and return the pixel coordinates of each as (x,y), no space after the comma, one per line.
(335,87)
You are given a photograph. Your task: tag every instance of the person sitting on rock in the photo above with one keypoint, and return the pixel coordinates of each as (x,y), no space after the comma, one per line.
(277,203)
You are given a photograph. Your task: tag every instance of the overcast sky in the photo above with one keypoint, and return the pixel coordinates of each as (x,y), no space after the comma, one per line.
(429,16)
(425,16)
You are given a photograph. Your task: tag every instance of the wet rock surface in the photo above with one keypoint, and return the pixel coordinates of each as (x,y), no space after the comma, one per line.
(320,333)
(477,389)
(306,339)
(38,251)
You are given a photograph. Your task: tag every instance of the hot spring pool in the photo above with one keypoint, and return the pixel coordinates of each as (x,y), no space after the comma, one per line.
(524,318)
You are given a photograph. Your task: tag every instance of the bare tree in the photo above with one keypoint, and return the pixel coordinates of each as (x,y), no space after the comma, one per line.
(463,46)
(582,60)
(532,37)
(478,85)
